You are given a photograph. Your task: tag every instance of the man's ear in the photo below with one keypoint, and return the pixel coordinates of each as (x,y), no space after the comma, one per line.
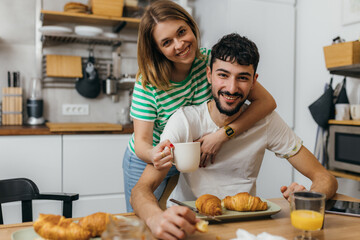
(255,79)
(208,74)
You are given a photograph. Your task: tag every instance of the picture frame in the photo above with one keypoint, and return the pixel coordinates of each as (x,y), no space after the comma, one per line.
(350,11)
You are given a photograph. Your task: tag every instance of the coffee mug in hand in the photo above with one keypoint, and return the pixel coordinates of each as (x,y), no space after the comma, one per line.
(355,111)
(186,156)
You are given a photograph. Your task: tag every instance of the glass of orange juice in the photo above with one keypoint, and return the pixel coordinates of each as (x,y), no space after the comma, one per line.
(307,212)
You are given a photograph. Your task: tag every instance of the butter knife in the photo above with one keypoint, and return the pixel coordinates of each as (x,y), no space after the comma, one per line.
(194,209)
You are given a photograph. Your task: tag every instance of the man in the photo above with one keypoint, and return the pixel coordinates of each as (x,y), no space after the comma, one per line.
(232,73)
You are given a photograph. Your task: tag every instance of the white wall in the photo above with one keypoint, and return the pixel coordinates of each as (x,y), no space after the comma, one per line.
(271,25)
(318,22)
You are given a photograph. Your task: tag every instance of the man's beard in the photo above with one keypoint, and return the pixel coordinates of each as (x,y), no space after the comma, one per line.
(231,111)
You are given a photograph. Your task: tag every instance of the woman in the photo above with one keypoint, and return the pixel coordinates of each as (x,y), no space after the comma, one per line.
(172,73)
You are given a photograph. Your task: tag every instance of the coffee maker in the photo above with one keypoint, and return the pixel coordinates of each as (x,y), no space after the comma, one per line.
(35,103)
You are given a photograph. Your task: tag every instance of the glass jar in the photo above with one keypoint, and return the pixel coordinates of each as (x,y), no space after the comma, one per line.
(124,228)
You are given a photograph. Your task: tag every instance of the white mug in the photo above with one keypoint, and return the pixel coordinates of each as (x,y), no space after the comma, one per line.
(186,156)
(342,111)
(355,111)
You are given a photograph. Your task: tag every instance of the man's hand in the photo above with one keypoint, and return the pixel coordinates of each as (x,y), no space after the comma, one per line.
(176,222)
(294,187)
(160,155)
(210,146)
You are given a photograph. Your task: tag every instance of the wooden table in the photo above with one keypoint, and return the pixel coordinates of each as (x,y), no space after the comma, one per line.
(336,226)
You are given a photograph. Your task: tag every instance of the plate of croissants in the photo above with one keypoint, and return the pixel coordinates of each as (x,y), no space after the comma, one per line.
(241,205)
(49,226)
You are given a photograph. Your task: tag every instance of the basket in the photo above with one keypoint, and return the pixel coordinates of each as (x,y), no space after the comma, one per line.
(342,54)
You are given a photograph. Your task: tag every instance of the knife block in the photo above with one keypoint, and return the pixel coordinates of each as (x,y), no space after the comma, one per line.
(12,106)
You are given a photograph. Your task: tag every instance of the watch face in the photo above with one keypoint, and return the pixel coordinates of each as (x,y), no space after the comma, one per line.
(229,131)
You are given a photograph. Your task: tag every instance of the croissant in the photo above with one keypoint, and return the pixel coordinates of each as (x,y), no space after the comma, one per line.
(243,202)
(96,223)
(57,227)
(209,204)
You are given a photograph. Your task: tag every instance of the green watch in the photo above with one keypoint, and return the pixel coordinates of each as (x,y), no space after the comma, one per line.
(229,131)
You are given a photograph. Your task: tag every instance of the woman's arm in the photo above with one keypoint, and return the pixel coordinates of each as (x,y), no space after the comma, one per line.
(158,155)
(262,103)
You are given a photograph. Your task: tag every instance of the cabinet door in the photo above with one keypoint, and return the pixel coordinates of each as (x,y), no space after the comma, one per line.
(37,158)
(92,164)
(86,205)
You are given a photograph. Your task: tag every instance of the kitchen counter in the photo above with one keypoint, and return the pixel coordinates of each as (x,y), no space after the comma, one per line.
(44,130)
(335,226)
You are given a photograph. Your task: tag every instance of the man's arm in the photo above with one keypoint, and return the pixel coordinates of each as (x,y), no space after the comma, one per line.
(307,164)
(175,223)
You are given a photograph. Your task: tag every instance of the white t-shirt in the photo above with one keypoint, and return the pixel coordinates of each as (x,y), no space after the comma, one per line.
(238,162)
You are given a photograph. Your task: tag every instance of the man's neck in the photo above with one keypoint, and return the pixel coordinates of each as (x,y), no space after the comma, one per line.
(218,118)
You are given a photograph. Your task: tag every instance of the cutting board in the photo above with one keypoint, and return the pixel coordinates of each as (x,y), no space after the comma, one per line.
(83,127)
(63,66)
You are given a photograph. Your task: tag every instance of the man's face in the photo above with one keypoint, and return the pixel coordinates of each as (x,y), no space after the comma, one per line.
(230,84)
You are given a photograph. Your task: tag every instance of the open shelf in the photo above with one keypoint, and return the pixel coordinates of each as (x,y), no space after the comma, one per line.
(344,174)
(50,39)
(49,17)
(344,122)
(349,70)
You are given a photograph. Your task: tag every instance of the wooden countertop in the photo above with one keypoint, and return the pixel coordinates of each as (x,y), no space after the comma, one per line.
(44,130)
(335,227)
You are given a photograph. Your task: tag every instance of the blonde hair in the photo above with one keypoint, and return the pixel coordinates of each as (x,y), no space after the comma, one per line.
(154,67)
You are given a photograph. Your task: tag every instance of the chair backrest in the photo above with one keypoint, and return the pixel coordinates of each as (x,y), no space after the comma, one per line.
(19,189)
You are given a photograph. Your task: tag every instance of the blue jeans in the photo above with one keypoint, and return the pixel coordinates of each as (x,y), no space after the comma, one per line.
(133,167)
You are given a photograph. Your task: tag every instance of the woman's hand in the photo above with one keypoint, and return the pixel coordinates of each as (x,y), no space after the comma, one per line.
(210,146)
(161,155)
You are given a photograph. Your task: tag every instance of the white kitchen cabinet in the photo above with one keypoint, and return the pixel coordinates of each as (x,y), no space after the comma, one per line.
(37,158)
(92,167)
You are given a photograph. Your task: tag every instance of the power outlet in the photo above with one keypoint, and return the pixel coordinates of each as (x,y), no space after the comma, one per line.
(75,109)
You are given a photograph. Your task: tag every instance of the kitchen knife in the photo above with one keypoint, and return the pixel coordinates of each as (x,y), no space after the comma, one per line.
(17,79)
(194,209)
(14,79)
(9,79)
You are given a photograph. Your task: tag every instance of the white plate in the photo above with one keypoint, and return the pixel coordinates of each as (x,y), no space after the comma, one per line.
(88,31)
(55,29)
(234,215)
(30,234)
(110,35)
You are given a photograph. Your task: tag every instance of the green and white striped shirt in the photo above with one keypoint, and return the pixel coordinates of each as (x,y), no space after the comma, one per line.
(154,105)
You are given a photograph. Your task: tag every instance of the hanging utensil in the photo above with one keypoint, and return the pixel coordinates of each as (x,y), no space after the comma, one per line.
(89,85)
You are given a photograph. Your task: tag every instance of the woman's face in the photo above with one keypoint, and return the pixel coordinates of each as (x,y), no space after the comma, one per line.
(176,41)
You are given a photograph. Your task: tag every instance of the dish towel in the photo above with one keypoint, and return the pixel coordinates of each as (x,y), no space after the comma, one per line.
(242,234)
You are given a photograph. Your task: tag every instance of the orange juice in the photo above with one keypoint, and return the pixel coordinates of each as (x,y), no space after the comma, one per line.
(307,220)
